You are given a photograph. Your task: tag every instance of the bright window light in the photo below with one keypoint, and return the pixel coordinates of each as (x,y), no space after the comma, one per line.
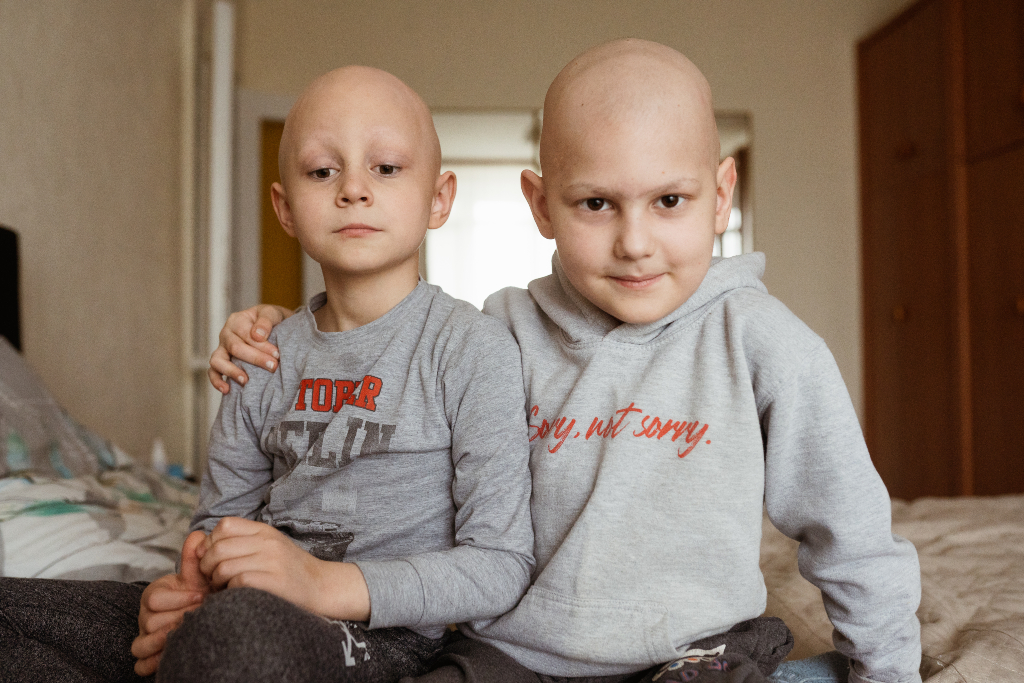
(490,240)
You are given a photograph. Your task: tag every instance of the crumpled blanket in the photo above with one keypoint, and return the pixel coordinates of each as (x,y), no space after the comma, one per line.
(126,524)
(72,504)
(972,576)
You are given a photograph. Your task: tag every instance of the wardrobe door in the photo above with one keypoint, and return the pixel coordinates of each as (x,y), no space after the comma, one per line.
(994,69)
(996,229)
(911,417)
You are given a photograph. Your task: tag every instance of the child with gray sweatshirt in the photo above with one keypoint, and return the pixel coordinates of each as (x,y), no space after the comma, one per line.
(671,399)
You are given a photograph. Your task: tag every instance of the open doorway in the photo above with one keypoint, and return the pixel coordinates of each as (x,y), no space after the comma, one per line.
(280,254)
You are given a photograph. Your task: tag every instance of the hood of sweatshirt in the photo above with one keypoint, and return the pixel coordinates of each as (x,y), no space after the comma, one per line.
(582,321)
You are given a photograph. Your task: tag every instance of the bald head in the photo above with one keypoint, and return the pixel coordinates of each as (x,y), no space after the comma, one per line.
(627,83)
(378,94)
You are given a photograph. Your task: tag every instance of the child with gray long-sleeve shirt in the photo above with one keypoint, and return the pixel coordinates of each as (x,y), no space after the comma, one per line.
(372,491)
(671,399)
(381,474)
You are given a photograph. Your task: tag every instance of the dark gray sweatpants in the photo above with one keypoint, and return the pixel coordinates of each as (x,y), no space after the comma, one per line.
(82,631)
(68,631)
(748,653)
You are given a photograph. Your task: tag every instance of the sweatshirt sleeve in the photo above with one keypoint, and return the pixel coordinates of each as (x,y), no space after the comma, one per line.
(238,472)
(488,570)
(822,490)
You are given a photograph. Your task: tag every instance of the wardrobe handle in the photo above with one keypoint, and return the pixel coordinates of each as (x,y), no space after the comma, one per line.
(1020,305)
(899,313)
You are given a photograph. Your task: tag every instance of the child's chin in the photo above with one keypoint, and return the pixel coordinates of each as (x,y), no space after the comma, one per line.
(640,315)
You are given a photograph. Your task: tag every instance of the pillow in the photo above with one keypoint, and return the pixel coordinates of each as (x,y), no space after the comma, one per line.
(36,435)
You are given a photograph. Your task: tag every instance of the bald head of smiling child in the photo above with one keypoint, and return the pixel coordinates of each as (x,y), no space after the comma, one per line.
(671,400)
(632,189)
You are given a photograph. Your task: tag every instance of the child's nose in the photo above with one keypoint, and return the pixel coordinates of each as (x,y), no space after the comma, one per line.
(634,240)
(354,190)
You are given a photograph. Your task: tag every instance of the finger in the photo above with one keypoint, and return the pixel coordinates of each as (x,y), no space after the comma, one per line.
(266,347)
(223,570)
(232,537)
(260,354)
(272,314)
(170,600)
(240,554)
(238,324)
(261,329)
(254,578)
(222,559)
(166,583)
(220,362)
(270,317)
(161,622)
(191,576)
(148,666)
(145,646)
(229,527)
(204,547)
(217,380)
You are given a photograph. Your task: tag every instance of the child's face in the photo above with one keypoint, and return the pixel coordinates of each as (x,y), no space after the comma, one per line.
(632,195)
(359,171)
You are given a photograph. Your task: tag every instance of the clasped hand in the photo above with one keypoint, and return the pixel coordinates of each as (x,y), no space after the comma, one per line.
(241,552)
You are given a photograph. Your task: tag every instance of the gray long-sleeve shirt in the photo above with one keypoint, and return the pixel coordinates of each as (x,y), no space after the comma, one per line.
(655,448)
(400,445)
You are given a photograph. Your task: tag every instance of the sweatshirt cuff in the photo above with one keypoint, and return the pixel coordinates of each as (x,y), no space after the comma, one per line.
(396,593)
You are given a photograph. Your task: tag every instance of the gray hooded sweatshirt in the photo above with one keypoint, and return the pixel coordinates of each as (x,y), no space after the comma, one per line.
(654,449)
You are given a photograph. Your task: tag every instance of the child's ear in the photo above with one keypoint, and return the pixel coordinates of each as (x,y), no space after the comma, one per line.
(723,203)
(444,197)
(533,190)
(281,208)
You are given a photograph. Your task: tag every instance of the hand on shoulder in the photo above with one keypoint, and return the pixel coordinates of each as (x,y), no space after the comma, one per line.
(245,337)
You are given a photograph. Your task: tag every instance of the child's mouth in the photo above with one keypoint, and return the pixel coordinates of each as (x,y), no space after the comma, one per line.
(637,282)
(357,230)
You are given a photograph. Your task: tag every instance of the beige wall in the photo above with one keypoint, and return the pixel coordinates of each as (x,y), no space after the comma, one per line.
(89,176)
(789,63)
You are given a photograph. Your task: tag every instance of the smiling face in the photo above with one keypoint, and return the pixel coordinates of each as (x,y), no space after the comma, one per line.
(632,191)
(359,169)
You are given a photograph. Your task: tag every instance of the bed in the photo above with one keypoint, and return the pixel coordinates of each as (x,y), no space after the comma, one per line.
(972,578)
(72,505)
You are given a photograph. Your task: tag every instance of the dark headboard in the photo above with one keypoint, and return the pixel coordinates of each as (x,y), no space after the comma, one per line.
(10,308)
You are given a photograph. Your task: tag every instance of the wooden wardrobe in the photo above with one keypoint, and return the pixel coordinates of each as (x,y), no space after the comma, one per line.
(941,92)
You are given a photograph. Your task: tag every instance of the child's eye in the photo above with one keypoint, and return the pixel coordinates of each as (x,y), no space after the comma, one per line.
(670,201)
(387,169)
(324,173)
(595,203)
